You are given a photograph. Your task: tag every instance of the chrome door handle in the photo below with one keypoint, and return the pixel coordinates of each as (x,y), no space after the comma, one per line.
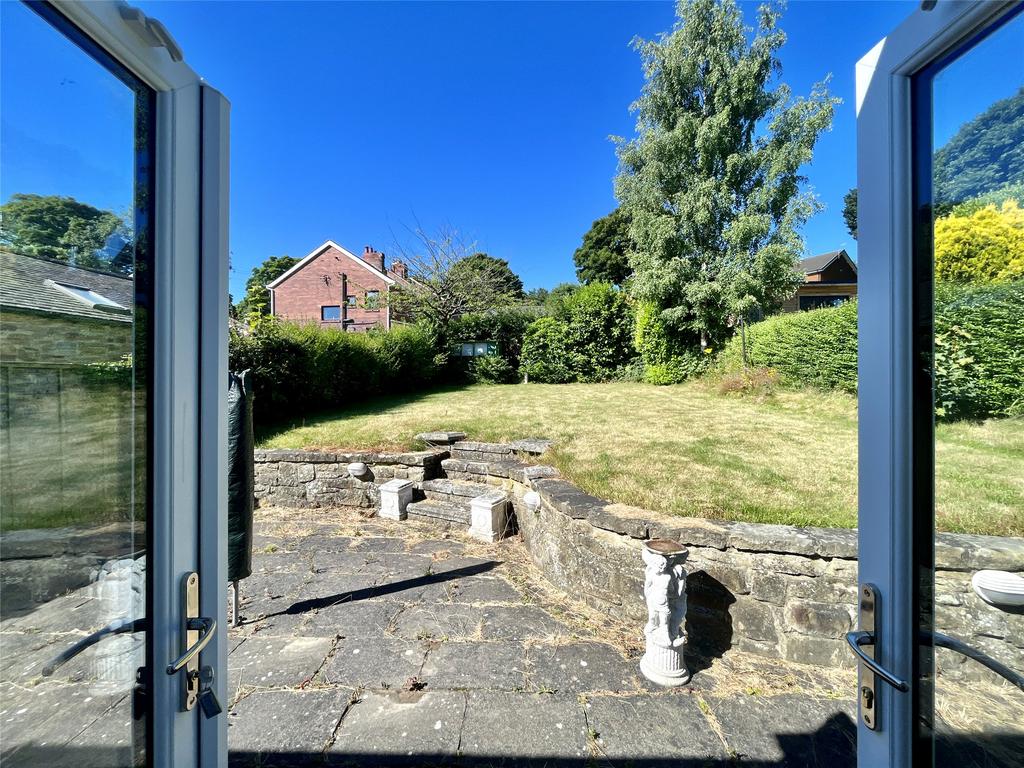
(208,627)
(862,637)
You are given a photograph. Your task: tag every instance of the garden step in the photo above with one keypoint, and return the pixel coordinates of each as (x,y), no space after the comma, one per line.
(453,490)
(440,511)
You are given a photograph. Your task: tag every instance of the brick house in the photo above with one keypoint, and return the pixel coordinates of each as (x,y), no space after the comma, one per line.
(334,288)
(830,279)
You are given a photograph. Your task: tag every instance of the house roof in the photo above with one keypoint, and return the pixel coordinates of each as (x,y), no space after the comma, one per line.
(814,264)
(34,284)
(319,250)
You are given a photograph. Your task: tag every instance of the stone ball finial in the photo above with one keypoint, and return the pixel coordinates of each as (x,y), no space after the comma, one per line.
(357,469)
(532,501)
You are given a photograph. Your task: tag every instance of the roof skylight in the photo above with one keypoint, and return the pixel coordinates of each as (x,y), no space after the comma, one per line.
(91,298)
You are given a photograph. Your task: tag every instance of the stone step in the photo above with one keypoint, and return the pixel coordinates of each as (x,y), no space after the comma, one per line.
(455,491)
(440,512)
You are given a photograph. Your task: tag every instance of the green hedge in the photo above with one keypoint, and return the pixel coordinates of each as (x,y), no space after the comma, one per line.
(979,349)
(298,369)
(505,327)
(818,347)
(588,339)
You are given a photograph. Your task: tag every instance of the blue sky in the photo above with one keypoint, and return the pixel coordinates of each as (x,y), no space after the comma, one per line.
(352,121)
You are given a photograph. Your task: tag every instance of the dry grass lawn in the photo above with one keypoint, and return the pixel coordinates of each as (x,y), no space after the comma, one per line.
(688,450)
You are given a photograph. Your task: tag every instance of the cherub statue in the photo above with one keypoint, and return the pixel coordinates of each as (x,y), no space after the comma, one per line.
(665,593)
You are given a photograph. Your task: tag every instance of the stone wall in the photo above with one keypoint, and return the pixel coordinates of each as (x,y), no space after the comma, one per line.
(322,479)
(772,590)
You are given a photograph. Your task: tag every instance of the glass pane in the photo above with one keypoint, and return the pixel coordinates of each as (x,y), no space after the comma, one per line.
(977,282)
(73,486)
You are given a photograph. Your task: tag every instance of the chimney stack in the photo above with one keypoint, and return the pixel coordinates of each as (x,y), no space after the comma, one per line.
(398,269)
(373,258)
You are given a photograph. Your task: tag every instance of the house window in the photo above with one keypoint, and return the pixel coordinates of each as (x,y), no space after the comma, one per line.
(373,299)
(817,302)
(330,312)
(350,301)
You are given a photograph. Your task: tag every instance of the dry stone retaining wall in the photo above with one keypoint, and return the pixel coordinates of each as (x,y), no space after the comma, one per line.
(772,590)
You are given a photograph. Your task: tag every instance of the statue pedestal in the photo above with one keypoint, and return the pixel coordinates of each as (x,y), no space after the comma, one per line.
(665,594)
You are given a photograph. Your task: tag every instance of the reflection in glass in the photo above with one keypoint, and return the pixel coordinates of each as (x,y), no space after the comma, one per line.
(73,486)
(977,224)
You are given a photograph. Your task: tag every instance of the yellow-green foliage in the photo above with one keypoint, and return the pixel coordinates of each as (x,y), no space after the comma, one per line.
(984,246)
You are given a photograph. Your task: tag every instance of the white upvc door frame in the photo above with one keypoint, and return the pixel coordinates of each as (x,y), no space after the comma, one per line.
(885,247)
(188,391)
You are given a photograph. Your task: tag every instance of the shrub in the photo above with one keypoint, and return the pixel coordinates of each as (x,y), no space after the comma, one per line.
(665,362)
(588,338)
(979,349)
(985,245)
(491,370)
(504,327)
(818,347)
(302,368)
(546,353)
(749,381)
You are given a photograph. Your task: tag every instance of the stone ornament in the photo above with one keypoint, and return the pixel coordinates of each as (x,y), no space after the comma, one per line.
(665,594)
(357,469)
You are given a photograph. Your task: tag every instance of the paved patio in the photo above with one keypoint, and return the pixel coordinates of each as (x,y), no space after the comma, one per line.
(372,643)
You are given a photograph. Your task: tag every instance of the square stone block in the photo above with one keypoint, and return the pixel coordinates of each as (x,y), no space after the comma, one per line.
(395,496)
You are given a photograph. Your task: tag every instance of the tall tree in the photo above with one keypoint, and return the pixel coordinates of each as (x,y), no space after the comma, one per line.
(604,255)
(65,229)
(493,270)
(257,299)
(712,182)
(850,212)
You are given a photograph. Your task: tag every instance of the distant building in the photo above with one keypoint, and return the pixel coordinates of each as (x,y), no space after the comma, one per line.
(830,279)
(334,288)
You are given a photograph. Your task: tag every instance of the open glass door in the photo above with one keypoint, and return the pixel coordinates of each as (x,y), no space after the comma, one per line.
(113,291)
(941,188)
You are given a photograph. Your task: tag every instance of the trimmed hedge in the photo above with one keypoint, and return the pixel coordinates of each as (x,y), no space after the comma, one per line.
(505,327)
(818,347)
(979,349)
(298,369)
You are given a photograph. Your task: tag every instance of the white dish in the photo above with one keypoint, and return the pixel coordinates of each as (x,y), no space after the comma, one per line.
(1000,588)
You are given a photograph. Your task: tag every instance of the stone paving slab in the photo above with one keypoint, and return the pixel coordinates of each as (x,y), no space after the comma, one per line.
(578,668)
(788,730)
(466,665)
(654,731)
(521,622)
(508,728)
(362,618)
(375,663)
(439,622)
(276,722)
(271,662)
(391,728)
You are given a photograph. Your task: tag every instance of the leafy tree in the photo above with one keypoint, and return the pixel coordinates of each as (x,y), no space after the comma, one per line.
(64,229)
(711,183)
(986,153)
(257,298)
(536,296)
(850,212)
(482,266)
(604,255)
(555,302)
(448,280)
(981,247)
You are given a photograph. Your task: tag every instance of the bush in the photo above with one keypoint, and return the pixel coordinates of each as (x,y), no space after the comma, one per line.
(491,370)
(299,369)
(979,349)
(985,245)
(665,362)
(504,327)
(818,347)
(749,381)
(588,339)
